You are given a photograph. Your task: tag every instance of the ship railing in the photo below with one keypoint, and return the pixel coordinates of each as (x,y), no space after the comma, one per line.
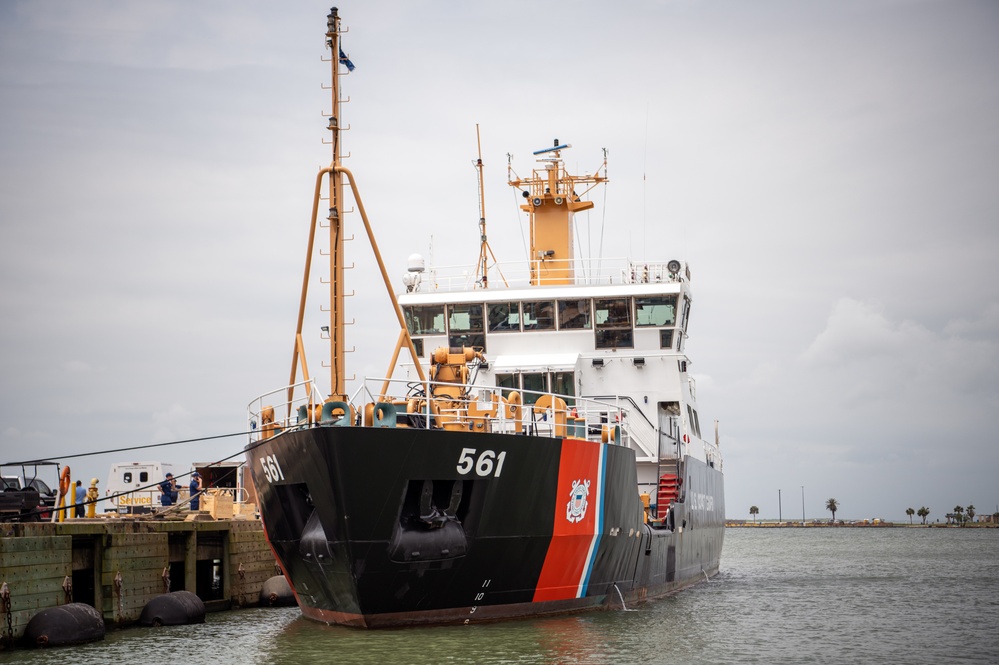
(641,433)
(273,412)
(460,407)
(712,454)
(547,272)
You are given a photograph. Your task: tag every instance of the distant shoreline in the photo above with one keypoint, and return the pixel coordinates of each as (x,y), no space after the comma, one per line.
(862,524)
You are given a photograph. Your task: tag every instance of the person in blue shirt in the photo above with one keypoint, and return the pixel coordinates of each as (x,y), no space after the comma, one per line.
(81,496)
(195,489)
(168,488)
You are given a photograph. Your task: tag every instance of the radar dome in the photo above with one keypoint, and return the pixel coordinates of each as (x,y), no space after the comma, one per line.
(416,263)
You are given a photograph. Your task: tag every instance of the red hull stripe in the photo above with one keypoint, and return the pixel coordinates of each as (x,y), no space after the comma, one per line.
(575,530)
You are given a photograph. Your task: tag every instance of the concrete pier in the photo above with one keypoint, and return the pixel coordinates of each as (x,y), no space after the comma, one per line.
(118,565)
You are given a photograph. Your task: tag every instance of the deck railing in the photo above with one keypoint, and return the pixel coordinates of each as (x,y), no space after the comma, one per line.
(513,275)
(456,407)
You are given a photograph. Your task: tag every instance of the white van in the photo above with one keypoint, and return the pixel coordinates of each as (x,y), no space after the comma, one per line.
(137,483)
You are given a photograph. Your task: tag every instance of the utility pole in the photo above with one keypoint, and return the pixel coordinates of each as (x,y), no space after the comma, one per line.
(780,516)
(802,505)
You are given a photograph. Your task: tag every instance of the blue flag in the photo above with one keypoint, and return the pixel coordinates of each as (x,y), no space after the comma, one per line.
(346,61)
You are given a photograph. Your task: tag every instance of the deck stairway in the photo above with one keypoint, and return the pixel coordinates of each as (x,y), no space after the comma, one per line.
(669,490)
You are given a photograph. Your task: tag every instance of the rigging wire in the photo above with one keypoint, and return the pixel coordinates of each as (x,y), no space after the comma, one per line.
(53,509)
(120,450)
(603,218)
(516,206)
(579,242)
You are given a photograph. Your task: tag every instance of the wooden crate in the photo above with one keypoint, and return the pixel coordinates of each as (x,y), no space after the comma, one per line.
(219,505)
(248,509)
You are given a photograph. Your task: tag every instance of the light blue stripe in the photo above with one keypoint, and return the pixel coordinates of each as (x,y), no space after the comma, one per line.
(602,471)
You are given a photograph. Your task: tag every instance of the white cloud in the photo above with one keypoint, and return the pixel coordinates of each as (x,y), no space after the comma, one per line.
(858,332)
(867,354)
(985,325)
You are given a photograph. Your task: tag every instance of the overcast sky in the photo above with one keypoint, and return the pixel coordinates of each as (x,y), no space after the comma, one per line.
(829,169)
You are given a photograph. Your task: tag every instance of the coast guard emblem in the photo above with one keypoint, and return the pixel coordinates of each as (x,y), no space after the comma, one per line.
(576,510)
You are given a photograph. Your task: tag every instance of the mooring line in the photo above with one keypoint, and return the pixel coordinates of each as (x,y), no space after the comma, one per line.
(121,450)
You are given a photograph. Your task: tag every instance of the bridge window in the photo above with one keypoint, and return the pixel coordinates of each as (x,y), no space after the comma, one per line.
(574,315)
(539,315)
(666,338)
(425,319)
(508,383)
(465,326)
(564,383)
(560,383)
(655,311)
(613,320)
(534,383)
(504,316)
(695,425)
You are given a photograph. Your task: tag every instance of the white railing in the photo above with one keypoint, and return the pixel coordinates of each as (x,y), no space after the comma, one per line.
(532,413)
(612,419)
(514,275)
(285,411)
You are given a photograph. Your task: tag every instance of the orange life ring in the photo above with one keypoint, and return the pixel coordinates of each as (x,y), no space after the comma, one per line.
(64,481)
(686,439)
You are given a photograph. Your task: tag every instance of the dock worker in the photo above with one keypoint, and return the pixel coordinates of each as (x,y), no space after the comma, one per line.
(168,488)
(195,489)
(81,496)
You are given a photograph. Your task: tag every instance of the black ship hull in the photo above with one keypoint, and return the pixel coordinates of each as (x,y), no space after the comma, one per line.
(379,527)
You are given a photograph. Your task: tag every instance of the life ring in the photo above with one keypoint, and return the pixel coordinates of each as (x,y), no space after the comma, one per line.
(686,439)
(64,481)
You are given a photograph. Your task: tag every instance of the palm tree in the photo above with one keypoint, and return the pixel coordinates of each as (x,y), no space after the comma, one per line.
(910,512)
(971,511)
(754,511)
(958,514)
(832,505)
(923,512)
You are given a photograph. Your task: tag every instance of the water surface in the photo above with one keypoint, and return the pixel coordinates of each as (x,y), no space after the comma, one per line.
(889,595)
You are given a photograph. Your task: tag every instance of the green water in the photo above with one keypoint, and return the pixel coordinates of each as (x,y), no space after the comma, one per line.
(783,596)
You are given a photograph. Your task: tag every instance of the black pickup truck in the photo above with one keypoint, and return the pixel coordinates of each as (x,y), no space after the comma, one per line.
(32,502)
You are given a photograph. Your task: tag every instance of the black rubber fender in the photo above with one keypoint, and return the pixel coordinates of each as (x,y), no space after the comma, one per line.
(173,609)
(74,623)
(276,592)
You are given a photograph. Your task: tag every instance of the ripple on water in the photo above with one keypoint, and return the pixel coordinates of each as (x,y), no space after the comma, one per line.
(783,596)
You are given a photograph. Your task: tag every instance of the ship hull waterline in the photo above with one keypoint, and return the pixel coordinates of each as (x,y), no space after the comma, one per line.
(386,527)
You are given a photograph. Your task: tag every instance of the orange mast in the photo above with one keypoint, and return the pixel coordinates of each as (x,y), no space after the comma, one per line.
(337,340)
(335,172)
(552,200)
